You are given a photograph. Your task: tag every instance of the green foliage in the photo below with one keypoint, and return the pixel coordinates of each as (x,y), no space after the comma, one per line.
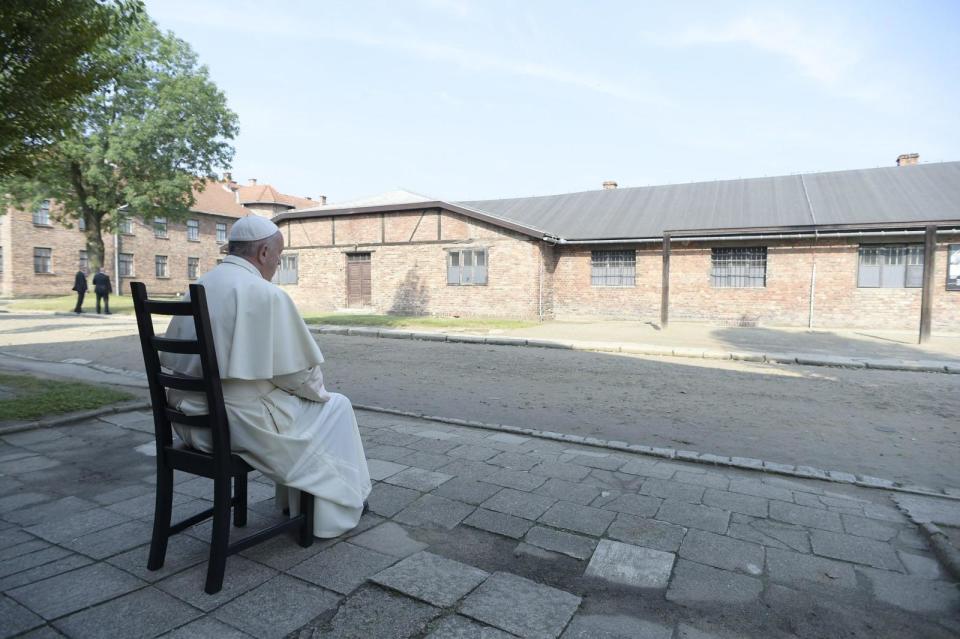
(415,321)
(47,67)
(35,397)
(145,136)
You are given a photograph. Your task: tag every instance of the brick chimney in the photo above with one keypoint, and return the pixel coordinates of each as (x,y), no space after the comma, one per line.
(252,182)
(906,159)
(609,184)
(227,177)
(323,200)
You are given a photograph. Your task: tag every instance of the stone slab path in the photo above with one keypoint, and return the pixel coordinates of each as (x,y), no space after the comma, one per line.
(471,533)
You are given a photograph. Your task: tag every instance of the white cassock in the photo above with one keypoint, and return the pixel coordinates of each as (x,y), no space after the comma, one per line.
(282,420)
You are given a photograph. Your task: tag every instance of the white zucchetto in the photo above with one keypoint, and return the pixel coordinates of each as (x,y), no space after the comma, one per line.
(252,228)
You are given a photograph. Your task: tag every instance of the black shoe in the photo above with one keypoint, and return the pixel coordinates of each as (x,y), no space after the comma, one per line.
(366,507)
(108,313)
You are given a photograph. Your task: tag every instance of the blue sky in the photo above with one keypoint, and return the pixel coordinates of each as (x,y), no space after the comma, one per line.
(464,99)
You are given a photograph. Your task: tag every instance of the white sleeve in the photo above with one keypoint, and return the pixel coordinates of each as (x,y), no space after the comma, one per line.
(307,384)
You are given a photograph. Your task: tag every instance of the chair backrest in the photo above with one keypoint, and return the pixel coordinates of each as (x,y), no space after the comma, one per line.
(208,383)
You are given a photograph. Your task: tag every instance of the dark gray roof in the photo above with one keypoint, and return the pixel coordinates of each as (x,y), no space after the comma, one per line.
(905,195)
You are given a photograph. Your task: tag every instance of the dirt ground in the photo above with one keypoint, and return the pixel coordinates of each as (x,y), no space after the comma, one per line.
(899,425)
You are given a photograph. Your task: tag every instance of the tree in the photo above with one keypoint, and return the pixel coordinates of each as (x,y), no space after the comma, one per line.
(47,67)
(147,137)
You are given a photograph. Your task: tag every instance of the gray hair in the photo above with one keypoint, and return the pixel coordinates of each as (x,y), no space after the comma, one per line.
(247,249)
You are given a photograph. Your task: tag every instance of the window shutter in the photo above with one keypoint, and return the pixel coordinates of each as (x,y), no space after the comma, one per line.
(868,275)
(453,267)
(480,269)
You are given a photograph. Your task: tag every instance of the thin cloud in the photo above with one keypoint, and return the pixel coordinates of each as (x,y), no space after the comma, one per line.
(819,55)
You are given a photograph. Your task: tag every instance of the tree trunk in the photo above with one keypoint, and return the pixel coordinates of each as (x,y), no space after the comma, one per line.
(95,248)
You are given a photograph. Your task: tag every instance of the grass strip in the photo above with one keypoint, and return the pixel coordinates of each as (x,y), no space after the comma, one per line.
(36,397)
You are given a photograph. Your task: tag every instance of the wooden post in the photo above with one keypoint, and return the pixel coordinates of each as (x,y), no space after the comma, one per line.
(665,286)
(926,299)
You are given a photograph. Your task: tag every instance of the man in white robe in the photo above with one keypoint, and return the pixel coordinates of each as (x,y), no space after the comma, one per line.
(282,420)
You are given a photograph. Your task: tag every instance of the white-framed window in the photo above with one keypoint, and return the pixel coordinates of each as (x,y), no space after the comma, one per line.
(126,226)
(84,260)
(613,268)
(288,271)
(42,259)
(81,224)
(41,216)
(160,264)
(467,267)
(160,227)
(221,232)
(193,230)
(890,266)
(125,262)
(193,267)
(738,267)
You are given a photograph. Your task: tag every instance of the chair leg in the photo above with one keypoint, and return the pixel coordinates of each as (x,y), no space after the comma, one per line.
(220,537)
(240,500)
(161,518)
(306,511)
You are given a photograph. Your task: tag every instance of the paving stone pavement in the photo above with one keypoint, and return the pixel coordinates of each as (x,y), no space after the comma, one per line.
(471,533)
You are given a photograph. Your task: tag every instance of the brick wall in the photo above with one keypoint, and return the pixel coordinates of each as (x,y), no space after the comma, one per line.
(19,236)
(409,272)
(784,301)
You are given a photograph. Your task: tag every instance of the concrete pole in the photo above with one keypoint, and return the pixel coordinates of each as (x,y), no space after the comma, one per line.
(926,299)
(665,286)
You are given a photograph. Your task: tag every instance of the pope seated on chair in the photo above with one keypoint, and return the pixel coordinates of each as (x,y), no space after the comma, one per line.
(282,420)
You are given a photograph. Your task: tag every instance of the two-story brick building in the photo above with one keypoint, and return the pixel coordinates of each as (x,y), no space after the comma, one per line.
(40,256)
(825,249)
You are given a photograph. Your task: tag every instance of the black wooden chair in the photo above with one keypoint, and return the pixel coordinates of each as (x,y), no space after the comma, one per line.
(221,465)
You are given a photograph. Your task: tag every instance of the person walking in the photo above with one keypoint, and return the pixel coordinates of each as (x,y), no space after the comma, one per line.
(80,286)
(102,287)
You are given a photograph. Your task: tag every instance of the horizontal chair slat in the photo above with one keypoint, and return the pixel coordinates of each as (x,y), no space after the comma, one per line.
(155,307)
(181,382)
(177,417)
(170,345)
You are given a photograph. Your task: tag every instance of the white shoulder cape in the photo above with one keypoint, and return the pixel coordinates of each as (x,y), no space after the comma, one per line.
(257,331)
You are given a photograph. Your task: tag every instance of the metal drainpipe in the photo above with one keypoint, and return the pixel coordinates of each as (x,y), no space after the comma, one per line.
(116,261)
(813,282)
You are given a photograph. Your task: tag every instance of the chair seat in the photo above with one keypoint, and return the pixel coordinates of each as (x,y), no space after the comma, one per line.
(189,459)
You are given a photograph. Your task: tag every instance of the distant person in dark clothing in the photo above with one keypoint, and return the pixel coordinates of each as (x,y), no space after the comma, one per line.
(101,286)
(80,286)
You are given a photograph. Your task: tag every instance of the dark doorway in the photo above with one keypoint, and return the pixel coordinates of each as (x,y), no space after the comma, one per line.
(358,280)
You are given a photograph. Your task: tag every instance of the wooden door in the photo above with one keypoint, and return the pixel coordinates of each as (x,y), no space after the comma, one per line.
(358,280)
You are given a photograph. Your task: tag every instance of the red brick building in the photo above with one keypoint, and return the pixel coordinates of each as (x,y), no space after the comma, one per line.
(824,250)
(40,256)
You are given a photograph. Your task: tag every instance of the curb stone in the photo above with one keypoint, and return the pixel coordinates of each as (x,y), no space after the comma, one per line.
(942,548)
(746,463)
(930,366)
(61,420)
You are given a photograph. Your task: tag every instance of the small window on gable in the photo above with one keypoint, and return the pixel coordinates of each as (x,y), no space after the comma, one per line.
(126,226)
(467,267)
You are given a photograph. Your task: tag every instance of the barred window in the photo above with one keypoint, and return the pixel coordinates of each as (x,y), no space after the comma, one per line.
(221,232)
(160,261)
(613,268)
(467,267)
(126,226)
(288,271)
(193,266)
(41,216)
(193,230)
(891,266)
(160,227)
(84,259)
(41,259)
(126,264)
(738,267)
